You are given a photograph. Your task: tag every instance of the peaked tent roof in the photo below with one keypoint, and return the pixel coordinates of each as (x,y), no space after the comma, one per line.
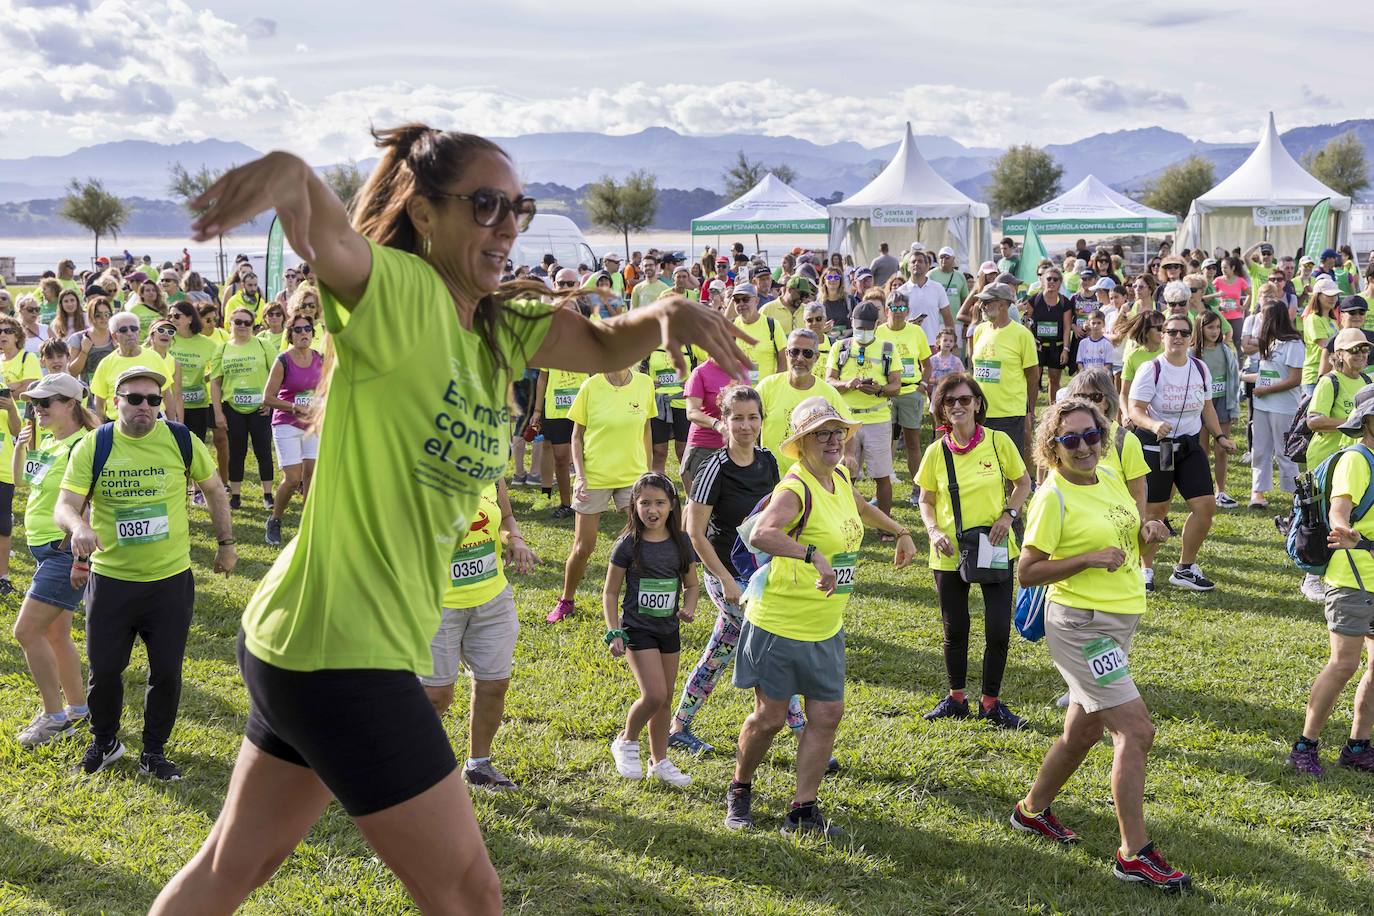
(909,181)
(1270,176)
(769,206)
(1091,206)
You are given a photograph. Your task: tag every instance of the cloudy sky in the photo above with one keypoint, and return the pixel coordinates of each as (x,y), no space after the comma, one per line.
(309,76)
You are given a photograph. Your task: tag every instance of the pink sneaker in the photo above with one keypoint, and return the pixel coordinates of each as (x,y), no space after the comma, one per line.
(563,608)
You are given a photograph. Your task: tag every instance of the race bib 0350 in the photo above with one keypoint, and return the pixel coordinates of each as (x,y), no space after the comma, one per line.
(473,564)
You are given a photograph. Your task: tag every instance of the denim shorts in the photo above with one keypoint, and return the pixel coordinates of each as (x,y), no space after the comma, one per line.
(52,582)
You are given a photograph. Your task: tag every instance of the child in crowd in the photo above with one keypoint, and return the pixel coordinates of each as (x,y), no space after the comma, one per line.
(54,356)
(654,565)
(1095,349)
(945,361)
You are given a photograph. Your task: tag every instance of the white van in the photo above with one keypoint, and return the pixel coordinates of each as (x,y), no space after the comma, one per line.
(550,233)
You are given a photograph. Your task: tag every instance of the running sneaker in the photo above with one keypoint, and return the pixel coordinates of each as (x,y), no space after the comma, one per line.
(1044,823)
(158,767)
(1001,716)
(1191,577)
(518,480)
(948,708)
(235,500)
(1149,867)
(1357,760)
(915,499)
(739,803)
(1225,501)
(562,609)
(98,756)
(1149,579)
(1313,588)
(626,754)
(811,824)
(666,771)
(268,502)
(1257,504)
(486,776)
(273,536)
(689,742)
(44,728)
(534,480)
(561,513)
(198,499)
(1306,760)
(1064,700)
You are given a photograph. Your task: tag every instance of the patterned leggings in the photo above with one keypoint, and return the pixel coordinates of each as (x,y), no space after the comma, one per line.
(715,657)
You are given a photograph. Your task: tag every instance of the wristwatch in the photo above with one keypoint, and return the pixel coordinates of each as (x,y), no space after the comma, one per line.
(810,552)
(1012,512)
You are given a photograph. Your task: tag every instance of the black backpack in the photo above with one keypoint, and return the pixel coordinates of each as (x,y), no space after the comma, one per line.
(1299,435)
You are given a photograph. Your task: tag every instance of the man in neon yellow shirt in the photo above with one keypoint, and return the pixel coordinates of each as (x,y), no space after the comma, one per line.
(912,351)
(650,288)
(789,309)
(138,542)
(610,263)
(766,353)
(682,284)
(1006,364)
(868,375)
(783,391)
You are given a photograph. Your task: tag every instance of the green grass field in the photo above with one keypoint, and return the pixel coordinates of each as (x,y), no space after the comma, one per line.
(925,806)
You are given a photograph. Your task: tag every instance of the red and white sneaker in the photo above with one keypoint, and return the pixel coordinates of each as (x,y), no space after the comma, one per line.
(562,609)
(1148,866)
(1044,823)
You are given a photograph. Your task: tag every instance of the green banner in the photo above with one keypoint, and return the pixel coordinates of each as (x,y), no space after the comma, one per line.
(1318,226)
(1032,252)
(275,267)
(760,227)
(1105,226)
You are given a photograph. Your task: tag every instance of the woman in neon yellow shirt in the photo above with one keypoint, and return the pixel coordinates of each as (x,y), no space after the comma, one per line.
(238,375)
(1084,534)
(415,425)
(273,331)
(150,304)
(792,641)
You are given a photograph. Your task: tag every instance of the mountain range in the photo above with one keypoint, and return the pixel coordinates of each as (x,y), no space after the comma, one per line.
(558,166)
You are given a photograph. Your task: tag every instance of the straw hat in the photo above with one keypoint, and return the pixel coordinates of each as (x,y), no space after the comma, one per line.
(809,416)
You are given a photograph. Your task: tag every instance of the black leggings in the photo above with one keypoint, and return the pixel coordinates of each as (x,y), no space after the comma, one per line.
(953,594)
(199,420)
(243,426)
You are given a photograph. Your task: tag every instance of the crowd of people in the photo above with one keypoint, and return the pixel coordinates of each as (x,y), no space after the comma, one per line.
(1046,428)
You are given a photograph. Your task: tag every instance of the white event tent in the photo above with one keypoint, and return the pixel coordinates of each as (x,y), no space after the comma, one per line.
(1268,198)
(909,202)
(771,207)
(1091,209)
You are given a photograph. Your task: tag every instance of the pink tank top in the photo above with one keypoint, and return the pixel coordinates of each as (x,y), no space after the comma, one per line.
(297,387)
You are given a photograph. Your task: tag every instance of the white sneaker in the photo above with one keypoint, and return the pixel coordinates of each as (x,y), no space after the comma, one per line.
(1063,701)
(1224,501)
(666,771)
(1149,579)
(1313,588)
(626,754)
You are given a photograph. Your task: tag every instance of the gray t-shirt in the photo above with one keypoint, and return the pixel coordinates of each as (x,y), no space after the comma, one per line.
(93,358)
(1215,358)
(883,267)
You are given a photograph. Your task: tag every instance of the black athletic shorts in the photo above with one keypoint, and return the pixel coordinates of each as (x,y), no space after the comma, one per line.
(199,420)
(1192,472)
(639,639)
(371,736)
(1051,357)
(663,430)
(557,432)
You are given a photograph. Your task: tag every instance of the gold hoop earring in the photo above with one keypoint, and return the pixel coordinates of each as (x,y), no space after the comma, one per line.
(428,245)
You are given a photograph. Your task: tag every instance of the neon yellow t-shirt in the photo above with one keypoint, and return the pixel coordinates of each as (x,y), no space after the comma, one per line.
(1096,516)
(1332,401)
(646,291)
(779,399)
(864,362)
(139,506)
(218,335)
(22,367)
(1001,357)
(764,353)
(475,571)
(982,487)
(399,476)
(613,416)
(664,374)
(1130,464)
(146,317)
(110,368)
(1135,359)
(912,348)
(791,606)
(44,468)
(1350,478)
(785,318)
(242,369)
(240,301)
(193,355)
(275,340)
(1315,329)
(560,391)
(822,358)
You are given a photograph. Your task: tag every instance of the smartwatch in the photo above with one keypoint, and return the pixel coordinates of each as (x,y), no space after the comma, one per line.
(810,552)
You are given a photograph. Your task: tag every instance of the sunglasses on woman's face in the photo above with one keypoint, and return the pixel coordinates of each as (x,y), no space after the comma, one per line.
(303,329)
(490,206)
(166,330)
(803,352)
(153,400)
(1073,440)
(962,400)
(243,322)
(46,402)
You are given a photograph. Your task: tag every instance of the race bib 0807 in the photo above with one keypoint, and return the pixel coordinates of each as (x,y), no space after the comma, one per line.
(657,597)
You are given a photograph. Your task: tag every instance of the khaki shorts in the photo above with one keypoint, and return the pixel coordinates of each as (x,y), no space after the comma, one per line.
(1090,650)
(873,448)
(1349,611)
(482,638)
(908,409)
(599,501)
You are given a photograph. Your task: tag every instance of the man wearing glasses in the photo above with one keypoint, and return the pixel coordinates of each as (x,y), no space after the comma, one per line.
(770,339)
(137,544)
(789,309)
(646,291)
(783,391)
(913,355)
(129,354)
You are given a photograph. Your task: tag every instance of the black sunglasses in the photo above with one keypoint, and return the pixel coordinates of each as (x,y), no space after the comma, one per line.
(303,329)
(243,322)
(154,400)
(45,402)
(963,400)
(566,284)
(126,329)
(490,206)
(1177,332)
(1073,440)
(803,352)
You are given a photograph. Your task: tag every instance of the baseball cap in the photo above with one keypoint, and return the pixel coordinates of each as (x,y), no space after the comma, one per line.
(1103,283)
(611,256)
(760,270)
(681,269)
(1210,262)
(988,267)
(1266,248)
(58,383)
(134,372)
(1364,406)
(863,273)
(722,261)
(917,246)
(865,316)
(1307,259)
(746,289)
(102,260)
(996,291)
(715,285)
(946,252)
(1352,304)
(1328,253)
(1349,339)
(1086,274)
(803,283)
(1325,286)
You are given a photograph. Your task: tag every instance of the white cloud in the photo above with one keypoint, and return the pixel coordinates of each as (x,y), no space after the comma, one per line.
(1100,94)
